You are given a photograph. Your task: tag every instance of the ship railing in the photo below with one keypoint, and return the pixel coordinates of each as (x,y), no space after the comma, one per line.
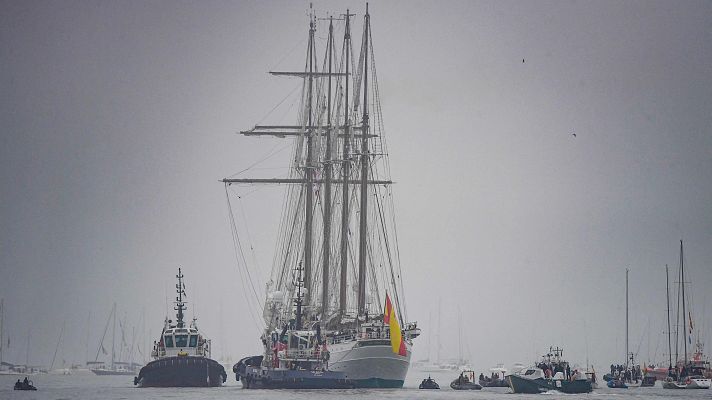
(301,354)
(376,335)
(343,338)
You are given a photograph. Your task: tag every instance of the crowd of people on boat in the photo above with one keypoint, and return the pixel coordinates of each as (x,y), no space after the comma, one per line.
(487,379)
(633,374)
(25,384)
(551,369)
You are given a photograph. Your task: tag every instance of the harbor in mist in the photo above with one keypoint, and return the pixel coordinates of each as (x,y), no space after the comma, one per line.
(538,150)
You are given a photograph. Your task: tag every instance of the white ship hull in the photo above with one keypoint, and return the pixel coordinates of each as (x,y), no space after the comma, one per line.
(699,383)
(370,363)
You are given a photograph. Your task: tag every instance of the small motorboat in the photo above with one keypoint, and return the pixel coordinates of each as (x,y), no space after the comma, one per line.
(429,384)
(617,384)
(648,381)
(466,381)
(24,385)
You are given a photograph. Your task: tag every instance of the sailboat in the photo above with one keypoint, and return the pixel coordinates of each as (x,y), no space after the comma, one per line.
(628,375)
(337,229)
(688,373)
(114,367)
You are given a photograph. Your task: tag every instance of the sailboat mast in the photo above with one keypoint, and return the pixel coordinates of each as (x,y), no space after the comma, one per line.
(113,336)
(86,355)
(345,172)
(327,187)
(2,326)
(667,294)
(27,353)
(684,315)
(309,170)
(626,319)
(363,228)
(56,348)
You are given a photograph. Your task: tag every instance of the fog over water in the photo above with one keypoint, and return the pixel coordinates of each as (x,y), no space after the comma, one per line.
(119,118)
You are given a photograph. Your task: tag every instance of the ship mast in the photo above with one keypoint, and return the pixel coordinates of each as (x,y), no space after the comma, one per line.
(113,337)
(2,325)
(684,315)
(345,172)
(667,295)
(298,302)
(626,321)
(363,228)
(180,305)
(309,171)
(327,187)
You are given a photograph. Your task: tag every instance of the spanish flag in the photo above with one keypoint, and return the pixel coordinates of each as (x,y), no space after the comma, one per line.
(389,317)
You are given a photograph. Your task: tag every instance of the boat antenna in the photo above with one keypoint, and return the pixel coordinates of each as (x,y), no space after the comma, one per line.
(180,304)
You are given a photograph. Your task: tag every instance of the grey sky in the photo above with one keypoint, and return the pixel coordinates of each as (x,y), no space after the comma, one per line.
(118,119)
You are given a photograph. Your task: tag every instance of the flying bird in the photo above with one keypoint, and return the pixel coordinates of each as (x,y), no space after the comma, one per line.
(574,134)
(522,61)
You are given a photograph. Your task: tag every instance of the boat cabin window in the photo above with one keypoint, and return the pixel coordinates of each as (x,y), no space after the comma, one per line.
(181,340)
(169,341)
(530,372)
(193,341)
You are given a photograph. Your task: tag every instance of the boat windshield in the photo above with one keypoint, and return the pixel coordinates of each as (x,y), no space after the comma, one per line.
(193,340)
(181,340)
(169,340)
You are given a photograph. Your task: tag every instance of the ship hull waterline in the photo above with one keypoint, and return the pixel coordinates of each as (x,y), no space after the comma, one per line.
(181,371)
(370,363)
(540,385)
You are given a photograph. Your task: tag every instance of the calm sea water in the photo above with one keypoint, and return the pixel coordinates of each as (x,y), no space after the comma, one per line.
(90,387)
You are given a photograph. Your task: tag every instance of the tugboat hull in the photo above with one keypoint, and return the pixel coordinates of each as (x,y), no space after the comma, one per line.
(181,371)
(540,385)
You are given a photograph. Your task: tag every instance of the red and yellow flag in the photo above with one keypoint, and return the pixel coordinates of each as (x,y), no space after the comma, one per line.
(389,317)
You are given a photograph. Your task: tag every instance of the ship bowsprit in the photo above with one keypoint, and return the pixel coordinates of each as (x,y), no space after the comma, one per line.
(181,371)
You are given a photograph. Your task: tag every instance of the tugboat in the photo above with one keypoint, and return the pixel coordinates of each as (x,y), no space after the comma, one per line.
(539,379)
(298,359)
(428,384)
(466,381)
(181,357)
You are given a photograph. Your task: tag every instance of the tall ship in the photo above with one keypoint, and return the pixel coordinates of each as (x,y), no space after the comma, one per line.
(181,356)
(338,225)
